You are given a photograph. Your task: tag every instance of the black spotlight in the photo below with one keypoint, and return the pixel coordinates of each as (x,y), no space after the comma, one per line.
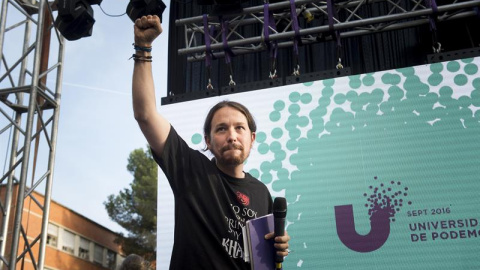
(75,18)
(139,8)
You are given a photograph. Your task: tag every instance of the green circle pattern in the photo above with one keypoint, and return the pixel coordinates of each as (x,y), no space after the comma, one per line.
(261,137)
(460,79)
(308,83)
(277,133)
(197,138)
(275,116)
(294,97)
(453,66)
(470,69)
(368,80)
(381,111)
(355,81)
(340,99)
(279,105)
(436,67)
(306,98)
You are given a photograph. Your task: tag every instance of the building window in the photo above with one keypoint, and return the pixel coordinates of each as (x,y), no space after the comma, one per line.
(84,248)
(68,242)
(52,235)
(98,254)
(111,259)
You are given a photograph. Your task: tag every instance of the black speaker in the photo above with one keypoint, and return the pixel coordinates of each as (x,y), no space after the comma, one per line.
(139,8)
(75,18)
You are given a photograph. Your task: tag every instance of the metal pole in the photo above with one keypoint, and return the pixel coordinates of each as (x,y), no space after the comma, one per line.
(8,191)
(16,131)
(51,162)
(272,6)
(28,140)
(349,34)
(339,26)
(347,4)
(3,22)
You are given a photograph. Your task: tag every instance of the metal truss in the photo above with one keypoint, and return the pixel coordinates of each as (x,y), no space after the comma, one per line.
(346,18)
(29,110)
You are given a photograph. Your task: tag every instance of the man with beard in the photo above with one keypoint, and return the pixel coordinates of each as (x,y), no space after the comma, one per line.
(213,198)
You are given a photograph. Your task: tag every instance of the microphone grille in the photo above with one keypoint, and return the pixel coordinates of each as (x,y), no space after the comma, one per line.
(280,207)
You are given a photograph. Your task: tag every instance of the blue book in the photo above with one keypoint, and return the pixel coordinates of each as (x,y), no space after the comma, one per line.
(260,252)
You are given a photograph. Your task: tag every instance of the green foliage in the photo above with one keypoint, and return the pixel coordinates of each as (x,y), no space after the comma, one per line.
(135,208)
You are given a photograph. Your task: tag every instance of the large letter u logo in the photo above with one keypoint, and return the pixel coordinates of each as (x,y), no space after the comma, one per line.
(380,229)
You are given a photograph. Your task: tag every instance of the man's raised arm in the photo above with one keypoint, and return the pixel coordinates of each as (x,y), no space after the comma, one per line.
(155,127)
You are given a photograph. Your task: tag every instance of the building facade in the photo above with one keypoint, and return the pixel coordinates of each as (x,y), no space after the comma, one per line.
(74,242)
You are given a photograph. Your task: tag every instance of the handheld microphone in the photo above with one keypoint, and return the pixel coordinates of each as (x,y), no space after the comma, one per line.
(279,215)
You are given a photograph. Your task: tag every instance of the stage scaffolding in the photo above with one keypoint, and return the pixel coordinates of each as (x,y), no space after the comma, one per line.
(29,109)
(330,20)
(308,40)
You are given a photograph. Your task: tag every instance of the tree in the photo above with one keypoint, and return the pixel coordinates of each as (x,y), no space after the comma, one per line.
(135,208)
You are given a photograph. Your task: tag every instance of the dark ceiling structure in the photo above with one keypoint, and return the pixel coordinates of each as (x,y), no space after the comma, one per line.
(265,45)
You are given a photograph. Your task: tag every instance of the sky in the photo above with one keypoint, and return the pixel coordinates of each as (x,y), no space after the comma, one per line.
(97,130)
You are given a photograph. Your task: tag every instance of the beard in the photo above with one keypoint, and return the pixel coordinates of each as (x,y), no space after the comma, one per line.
(231,160)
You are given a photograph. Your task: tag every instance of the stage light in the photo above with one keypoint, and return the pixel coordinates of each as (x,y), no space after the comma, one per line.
(75,18)
(139,8)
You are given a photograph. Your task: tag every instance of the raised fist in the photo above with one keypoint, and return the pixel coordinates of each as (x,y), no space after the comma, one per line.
(147,28)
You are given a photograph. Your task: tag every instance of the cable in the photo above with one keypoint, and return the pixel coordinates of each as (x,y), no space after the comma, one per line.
(109,15)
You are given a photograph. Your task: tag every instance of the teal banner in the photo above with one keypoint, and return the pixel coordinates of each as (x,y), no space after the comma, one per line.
(380,170)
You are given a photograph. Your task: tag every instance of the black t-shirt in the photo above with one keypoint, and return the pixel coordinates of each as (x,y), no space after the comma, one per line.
(210,208)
